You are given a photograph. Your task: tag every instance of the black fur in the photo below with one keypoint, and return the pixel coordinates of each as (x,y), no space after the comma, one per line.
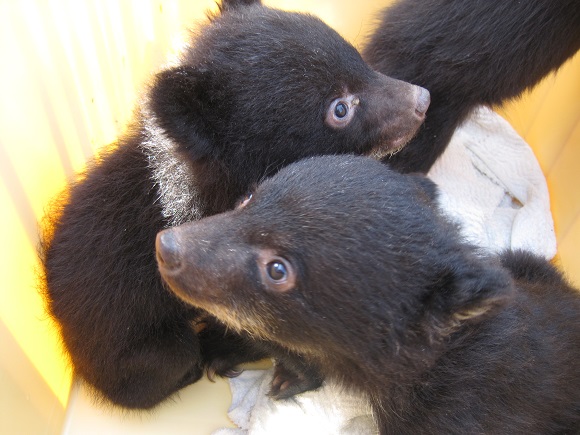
(250,95)
(469,53)
(381,294)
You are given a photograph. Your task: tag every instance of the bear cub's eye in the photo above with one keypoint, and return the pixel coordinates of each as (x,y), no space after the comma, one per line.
(277,270)
(277,273)
(341,111)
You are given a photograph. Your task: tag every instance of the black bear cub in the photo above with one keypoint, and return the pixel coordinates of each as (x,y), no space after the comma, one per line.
(352,265)
(469,53)
(256,90)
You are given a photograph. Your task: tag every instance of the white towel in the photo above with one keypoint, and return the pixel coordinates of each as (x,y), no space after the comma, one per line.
(326,411)
(490,183)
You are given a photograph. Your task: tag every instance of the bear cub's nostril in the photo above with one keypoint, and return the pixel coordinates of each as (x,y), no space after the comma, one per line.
(167,250)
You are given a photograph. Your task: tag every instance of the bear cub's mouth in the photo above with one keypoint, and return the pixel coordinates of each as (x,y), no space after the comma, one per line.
(390,148)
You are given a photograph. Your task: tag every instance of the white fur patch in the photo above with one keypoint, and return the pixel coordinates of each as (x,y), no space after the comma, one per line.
(173,177)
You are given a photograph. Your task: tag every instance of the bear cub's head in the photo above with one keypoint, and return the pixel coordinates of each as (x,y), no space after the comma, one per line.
(336,257)
(257,84)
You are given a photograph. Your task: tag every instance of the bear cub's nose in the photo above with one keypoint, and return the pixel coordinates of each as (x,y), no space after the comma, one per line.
(167,248)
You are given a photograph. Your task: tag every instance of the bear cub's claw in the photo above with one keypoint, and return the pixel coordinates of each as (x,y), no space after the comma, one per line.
(286,383)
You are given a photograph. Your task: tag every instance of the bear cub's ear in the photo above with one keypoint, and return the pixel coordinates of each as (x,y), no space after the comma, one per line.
(467,292)
(176,99)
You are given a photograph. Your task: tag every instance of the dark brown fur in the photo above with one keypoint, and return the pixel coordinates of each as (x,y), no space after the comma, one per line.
(468,53)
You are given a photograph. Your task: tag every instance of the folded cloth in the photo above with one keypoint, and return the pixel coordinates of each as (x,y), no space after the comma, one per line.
(492,185)
(327,411)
